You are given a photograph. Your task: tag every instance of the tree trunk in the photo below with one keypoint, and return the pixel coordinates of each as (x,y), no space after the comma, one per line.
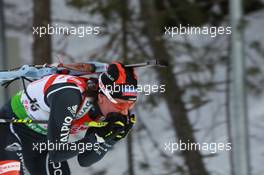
(3,53)
(182,127)
(124,18)
(42,47)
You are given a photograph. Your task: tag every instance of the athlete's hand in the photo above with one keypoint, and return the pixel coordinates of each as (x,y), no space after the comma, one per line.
(117,127)
(130,121)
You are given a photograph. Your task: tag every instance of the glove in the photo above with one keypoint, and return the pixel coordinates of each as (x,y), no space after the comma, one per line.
(131,120)
(117,128)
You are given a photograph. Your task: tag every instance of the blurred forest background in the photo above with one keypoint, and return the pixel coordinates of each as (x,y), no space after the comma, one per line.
(195,107)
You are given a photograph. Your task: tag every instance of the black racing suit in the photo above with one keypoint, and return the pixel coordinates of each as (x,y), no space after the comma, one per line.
(22,139)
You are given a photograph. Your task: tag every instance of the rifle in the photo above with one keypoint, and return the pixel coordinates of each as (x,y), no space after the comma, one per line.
(35,72)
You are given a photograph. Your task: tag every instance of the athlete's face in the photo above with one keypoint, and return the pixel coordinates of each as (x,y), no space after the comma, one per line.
(106,106)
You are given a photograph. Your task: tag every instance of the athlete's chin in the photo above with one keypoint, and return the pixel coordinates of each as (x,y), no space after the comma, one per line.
(104,109)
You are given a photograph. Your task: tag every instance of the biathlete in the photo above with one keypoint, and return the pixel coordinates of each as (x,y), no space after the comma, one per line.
(68,103)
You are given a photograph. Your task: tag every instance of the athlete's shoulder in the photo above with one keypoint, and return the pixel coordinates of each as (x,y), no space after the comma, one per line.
(65,80)
(79,81)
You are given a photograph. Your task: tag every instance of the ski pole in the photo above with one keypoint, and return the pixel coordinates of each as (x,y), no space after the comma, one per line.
(29,121)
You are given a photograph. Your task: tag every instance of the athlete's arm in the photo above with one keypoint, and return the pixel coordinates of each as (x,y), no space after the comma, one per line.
(118,125)
(90,157)
(63,99)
